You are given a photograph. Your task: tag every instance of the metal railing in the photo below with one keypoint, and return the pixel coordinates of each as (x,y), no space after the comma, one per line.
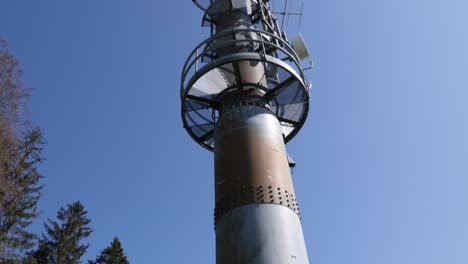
(258,42)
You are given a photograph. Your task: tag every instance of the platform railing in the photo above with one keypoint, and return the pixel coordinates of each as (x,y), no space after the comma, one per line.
(260,42)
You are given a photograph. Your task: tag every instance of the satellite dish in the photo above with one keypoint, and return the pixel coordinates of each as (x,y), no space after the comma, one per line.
(299,47)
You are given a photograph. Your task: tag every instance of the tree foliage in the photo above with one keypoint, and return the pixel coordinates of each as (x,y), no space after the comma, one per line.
(62,242)
(20,154)
(12,95)
(113,254)
(19,204)
(12,92)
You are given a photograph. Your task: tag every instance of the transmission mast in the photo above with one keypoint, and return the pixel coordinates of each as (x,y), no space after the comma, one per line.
(244,96)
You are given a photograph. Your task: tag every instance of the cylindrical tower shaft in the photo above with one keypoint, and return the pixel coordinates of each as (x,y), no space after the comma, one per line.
(256,209)
(257,217)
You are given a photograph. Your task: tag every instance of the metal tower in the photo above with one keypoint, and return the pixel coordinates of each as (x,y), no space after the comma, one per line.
(244,95)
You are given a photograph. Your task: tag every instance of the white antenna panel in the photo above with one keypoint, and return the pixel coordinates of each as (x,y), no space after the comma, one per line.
(299,47)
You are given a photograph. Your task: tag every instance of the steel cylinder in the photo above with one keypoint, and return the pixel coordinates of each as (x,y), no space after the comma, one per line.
(260,234)
(257,216)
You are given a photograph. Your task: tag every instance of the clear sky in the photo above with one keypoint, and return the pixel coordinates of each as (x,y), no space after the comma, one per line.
(382,174)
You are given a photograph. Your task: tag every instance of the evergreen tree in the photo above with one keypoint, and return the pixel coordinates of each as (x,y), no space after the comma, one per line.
(111,255)
(18,204)
(20,154)
(62,242)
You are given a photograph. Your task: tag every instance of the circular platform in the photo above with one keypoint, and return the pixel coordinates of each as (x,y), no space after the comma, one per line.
(202,4)
(206,77)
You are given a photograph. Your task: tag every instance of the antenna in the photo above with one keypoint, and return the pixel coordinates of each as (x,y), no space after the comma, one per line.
(300,48)
(289,8)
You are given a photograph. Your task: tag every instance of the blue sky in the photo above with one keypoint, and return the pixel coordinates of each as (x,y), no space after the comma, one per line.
(382,172)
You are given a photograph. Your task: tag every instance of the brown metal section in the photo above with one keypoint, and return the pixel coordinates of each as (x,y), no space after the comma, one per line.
(251,164)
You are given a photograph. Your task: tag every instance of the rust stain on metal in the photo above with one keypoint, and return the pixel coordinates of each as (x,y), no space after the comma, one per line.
(255,167)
